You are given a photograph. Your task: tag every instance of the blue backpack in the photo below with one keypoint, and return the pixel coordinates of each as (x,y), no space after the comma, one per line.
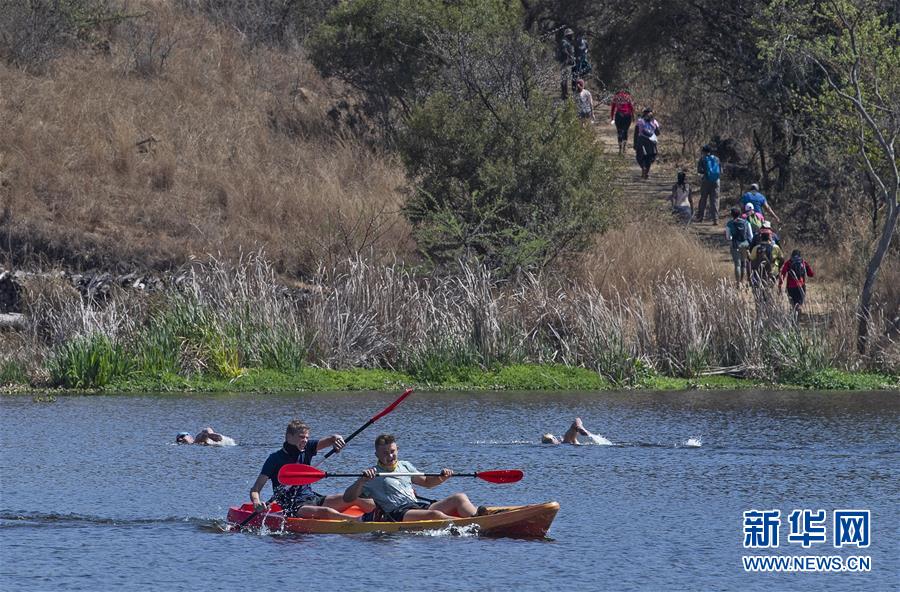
(713,171)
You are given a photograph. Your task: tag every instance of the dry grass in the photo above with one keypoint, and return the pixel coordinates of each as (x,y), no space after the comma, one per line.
(237,315)
(106,159)
(638,256)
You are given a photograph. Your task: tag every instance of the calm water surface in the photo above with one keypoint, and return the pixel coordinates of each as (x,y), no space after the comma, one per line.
(95,496)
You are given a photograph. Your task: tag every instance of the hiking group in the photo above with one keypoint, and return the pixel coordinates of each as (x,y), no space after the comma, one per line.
(572,54)
(756,251)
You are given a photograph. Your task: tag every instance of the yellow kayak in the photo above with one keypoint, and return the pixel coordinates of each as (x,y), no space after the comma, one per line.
(530,521)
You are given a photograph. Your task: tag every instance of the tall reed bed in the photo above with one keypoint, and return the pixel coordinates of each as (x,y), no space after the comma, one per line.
(233,316)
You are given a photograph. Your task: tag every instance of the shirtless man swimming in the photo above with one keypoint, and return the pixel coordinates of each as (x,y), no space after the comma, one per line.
(204,437)
(571,435)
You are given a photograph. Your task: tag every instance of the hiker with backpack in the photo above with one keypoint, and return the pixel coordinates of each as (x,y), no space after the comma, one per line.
(795,270)
(710,170)
(738,231)
(681,199)
(755,219)
(766,228)
(582,67)
(758,200)
(646,132)
(621,113)
(765,258)
(565,55)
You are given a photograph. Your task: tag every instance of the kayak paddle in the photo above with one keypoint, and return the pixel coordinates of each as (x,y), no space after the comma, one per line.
(297,474)
(386,410)
(375,418)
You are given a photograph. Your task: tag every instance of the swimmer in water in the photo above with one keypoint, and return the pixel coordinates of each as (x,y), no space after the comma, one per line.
(571,435)
(206,436)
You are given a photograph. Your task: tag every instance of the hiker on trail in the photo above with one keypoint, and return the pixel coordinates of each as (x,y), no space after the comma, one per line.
(582,67)
(710,170)
(584,103)
(646,132)
(565,55)
(395,496)
(765,258)
(739,232)
(681,199)
(755,219)
(621,114)
(758,200)
(795,270)
(766,228)
(205,437)
(571,435)
(300,500)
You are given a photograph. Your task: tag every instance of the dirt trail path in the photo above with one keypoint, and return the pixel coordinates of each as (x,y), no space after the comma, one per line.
(650,195)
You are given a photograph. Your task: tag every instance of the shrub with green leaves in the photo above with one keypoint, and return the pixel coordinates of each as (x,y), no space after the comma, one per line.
(511,184)
(90,362)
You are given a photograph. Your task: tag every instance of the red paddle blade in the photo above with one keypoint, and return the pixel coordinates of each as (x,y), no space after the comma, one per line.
(510,476)
(393,405)
(297,474)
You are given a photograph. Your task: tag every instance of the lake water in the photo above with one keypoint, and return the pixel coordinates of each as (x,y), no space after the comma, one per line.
(96,496)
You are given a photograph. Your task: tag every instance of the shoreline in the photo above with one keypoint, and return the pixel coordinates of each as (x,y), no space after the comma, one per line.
(526,377)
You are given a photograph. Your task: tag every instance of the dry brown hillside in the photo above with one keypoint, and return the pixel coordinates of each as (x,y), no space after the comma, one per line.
(115,157)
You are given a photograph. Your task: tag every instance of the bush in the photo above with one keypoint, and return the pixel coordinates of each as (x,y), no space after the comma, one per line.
(266,22)
(32,32)
(380,47)
(512,185)
(13,372)
(90,362)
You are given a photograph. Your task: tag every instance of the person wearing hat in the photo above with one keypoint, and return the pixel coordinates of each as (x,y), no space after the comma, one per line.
(766,229)
(646,130)
(565,54)
(758,200)
(753,217)
(709,169)
(206,436)
(766,259)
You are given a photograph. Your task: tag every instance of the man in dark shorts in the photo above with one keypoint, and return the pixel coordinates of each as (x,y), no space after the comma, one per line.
(302,501)
(395,496)
(795,270)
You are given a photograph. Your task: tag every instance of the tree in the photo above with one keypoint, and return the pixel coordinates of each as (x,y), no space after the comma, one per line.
(855,51)
(500,172)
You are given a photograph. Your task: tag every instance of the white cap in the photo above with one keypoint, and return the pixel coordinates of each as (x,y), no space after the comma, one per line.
(749,207)
(754,186)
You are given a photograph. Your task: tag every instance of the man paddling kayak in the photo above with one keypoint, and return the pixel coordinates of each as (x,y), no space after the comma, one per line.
(302,501)
(571,435)
(395,496)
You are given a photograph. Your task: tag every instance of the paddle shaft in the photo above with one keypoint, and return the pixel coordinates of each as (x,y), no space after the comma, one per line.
(300,474)
(399,474)
(384,412)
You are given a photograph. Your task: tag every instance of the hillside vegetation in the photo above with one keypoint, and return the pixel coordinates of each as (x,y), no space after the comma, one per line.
(168,139)
(410,165)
